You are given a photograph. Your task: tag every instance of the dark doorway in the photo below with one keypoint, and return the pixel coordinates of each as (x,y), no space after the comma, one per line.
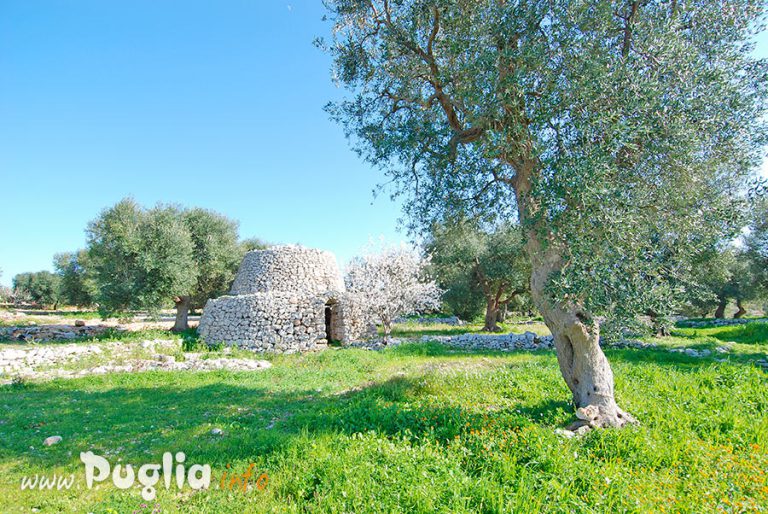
(329,322)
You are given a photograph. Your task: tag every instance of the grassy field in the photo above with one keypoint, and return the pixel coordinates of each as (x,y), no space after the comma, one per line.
(416,330)
(416,428)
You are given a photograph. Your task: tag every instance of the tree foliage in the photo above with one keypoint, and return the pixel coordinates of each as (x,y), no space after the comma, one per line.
(216,252)
(147,259)
(41,287)
(756,247)
(621,134)
(472,263)
(728,274)
(253,243)
(77,284)
(141,258)
(608,108)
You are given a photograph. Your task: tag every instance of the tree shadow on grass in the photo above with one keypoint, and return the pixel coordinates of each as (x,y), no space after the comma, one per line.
(138,424)
(547,410)
(435,349)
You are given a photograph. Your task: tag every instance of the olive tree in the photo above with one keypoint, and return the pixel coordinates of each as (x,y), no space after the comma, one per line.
(141,259)
(467,258)
(216,254)
(391,282)
(756,248)
(607,128)
(77,285)
(148,258)
(41,287)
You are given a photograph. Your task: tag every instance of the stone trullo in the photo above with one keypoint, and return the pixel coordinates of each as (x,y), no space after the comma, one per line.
(285,299)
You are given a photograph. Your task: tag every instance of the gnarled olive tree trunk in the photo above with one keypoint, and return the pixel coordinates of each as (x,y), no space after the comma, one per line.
(491,316)
(721,305)
(742,311)
(577,342)
(182,313)
(582,362)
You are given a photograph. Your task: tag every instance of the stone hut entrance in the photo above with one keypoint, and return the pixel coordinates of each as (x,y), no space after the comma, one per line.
(331,321)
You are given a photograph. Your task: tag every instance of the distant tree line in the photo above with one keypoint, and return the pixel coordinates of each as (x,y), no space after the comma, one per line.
(485,272)
(143,259)
(139,259)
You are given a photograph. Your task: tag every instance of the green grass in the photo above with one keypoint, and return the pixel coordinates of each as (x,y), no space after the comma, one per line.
(42,317)
(416,428)
(745,342)
(749,333)
(416,330)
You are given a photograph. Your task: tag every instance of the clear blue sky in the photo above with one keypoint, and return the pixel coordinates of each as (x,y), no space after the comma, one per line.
(215,104)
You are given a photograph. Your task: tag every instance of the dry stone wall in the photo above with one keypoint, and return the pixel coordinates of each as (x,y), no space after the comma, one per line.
(277,321)
(288,268)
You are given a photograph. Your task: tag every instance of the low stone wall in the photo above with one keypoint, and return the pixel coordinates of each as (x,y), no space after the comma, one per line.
(276,321)
(721,322)
(50,332)
(451,320)
(42,362)
(526,341)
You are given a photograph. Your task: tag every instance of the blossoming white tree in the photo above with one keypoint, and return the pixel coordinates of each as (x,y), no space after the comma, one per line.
(391,282)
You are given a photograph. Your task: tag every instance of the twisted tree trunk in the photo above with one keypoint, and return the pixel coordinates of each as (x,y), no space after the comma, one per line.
(576,333)
(659,327)
(582,362)
(720,312)
(741,312)
(182,313)
(491,316)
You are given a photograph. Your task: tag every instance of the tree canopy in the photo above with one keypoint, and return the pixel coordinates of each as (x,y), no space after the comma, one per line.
(77,285)
(391,281)
(141,258)
(216,255)
(612,131)
(756,247)
(473,263)
(146,259)
(41,287)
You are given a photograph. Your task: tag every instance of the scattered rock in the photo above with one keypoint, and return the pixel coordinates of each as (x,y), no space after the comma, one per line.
(503,342)
(627,343)
(692,352)
(48,361)
(50,441)
(217,431)
(587,413)
(32,332)
(583,430)
(79,323)
(565,433)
